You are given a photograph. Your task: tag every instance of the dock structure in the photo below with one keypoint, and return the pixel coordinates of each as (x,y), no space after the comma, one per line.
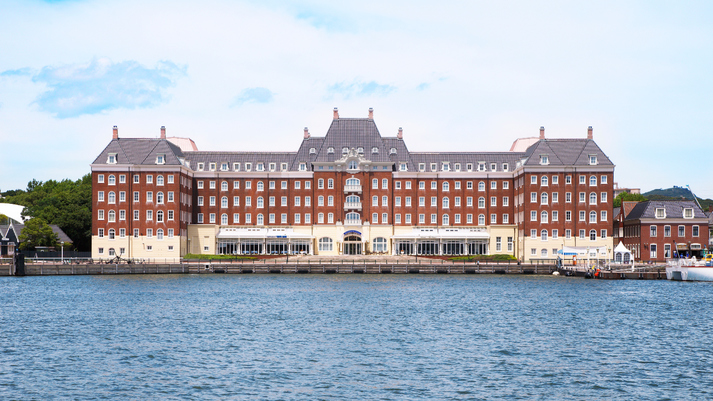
(294,265)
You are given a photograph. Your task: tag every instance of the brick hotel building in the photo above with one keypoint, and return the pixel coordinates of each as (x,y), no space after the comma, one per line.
(351,191)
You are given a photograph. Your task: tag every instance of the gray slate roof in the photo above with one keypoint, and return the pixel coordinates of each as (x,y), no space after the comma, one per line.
(353,133)
(566,152)
(239,157)
(674,210)
(13,232)
(140,151)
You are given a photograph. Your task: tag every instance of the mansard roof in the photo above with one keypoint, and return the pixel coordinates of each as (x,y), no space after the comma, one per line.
(303,154)
(353,133)
(140,151)
(674,210)
(402,154)
(238,157)
(566,152)
(468,157)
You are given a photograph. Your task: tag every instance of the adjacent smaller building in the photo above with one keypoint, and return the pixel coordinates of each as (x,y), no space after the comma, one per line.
(10,234)
(657,230)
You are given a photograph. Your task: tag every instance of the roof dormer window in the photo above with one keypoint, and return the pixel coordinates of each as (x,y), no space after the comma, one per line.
(330,150)
(303,166)
(688,213)
(283,166)
(248,166)
(374,150)
(260,167)
(345,150)
(445,166)
(660,213)
(236,166)
(544,159)
(273,166)
(111,159)
(353,165)
(200,166)
(360,150)
(592,160)
(212,167)
(481,166)
(421,166)
(223,166)
(161,158)
(392,151)
(312,151)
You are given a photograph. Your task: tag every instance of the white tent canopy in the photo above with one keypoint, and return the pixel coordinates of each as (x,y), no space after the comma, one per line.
(621,254)
(12,211)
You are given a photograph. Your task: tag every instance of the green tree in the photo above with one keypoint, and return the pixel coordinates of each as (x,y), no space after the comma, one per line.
(4,219)
(37,233)
(625,197)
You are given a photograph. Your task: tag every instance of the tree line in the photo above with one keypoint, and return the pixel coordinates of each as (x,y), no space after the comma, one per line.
(66,203)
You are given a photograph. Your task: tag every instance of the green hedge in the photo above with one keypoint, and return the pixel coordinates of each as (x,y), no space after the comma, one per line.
(498,257)
(191,256)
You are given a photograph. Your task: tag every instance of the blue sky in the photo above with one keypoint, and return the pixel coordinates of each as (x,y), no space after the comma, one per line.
(458,75)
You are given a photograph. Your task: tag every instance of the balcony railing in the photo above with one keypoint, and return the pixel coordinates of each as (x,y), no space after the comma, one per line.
(352,205)
(352,222)
(352,188)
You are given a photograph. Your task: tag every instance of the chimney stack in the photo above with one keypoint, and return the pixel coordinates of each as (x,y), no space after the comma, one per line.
(306,133)
(542,132)
(400,135)
(163,132)
(336,113)
(371,113)
(590,134)
(115,135)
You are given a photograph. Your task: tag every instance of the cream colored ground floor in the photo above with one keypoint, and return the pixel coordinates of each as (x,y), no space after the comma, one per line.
(139,248)
(337,239)
(531,249)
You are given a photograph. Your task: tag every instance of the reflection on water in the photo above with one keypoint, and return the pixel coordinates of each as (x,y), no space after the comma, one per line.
(353,337)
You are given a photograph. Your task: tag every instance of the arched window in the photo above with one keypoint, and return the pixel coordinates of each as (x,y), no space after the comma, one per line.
(352,216)
(592,180)
(352,199)
(112,197)
(353,165)
(592,198)
(159,180)
(543,217)
(260,202)
(112,179)
(345,150)
(374,150)
(445,220)
(592,217)
(260,186)
(544,181)
(224,219)
(379,244)
(543,235)
(481,202)
(159,216)
(326,244)
(159,234)
(445,186)
(481,186)
(445,202)
(112,216)
(260,219)
(353,181)
(159,198)
(224,201)
(544,198)
(320,183)
(543,253)
(481,219)
(224,186)
(392,151)
(112,233)
(330,150)
(592,235)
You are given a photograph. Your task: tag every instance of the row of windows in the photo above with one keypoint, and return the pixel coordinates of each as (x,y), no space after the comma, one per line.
(111,215)
(111,233)
(544,234)
(261,201)
(224,166)
(111,198)
(352,216)
(544,216)
(544,197)
(248,185)
(122,179)
(545,180)
(695,231)
(224,220)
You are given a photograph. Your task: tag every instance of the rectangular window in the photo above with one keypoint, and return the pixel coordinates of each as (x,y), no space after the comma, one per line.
(408,219)
(469,219)
(434,201)
(421,218)
(248,218)
(384,218)
(248,201)
(384,201)
(297,218)
(200,218)
(434,219)
(681,231)
(375,218)
(236,218)
(695,231)
(582,234)
(533,233)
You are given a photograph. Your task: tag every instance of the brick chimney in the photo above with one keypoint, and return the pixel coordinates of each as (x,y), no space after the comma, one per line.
(115,135)
(371,113)
(400,135)
(590,134)
(336,114)
(542,132)
(163,132)
(306,133)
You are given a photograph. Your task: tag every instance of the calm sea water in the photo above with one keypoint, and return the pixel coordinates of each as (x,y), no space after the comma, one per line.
(354,337)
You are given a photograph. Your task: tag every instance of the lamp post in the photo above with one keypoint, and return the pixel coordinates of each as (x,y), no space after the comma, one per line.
(62,251)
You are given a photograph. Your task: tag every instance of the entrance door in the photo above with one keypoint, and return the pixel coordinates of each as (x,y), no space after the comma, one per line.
(352,245)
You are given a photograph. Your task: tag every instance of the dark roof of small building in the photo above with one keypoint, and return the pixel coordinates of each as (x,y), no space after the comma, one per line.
(12,232)
(674,210)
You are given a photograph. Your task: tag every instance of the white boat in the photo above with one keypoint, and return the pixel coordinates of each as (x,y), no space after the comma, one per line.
(690,270)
